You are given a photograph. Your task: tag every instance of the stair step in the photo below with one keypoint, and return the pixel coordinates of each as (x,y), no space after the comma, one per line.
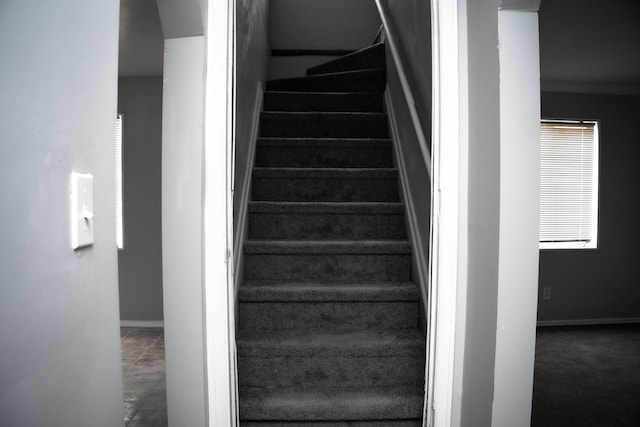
(323,152)
(323,125)
(373,80)
(301,404)
(325,184)
(383,423)
(331,359)
(276,291)
(323,101)
(326,221)
(369,57)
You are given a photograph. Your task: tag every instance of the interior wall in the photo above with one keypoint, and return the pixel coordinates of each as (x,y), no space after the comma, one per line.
(601,283)
(60,357)
(182,231)
(140,263)
(252,55)
(318,25)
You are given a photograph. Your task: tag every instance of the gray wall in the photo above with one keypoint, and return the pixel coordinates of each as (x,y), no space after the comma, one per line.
(411,26)
(60,357)
(600,283)
(140,263)
(318,24)
(252,55)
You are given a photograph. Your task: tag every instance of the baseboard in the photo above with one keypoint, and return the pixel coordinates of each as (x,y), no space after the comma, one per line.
(416,242)
(142,323)
(242,226)
(588,322)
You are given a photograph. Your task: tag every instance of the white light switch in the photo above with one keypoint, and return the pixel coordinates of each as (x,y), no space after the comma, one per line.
(81,210)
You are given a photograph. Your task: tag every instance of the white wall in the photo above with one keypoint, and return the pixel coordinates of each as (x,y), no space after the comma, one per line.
(140,263)
(60,357)
(182,135)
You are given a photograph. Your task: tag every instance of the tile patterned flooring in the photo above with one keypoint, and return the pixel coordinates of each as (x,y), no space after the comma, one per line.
(143,372)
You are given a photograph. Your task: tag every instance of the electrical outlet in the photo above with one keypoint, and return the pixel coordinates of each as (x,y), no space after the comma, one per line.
(546,293)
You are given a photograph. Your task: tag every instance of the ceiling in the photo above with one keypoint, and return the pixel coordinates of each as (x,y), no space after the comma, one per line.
(590,45)
(585,45)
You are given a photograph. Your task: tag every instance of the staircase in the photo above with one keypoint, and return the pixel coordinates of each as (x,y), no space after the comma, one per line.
(328,316)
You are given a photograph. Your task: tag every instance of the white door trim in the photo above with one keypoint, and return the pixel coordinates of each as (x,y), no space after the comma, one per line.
(218,217)
(448,213)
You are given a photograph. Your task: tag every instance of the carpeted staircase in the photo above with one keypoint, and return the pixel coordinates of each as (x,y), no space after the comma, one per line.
(328,315)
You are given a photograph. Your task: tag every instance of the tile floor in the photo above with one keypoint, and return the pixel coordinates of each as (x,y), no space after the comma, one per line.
(143,372)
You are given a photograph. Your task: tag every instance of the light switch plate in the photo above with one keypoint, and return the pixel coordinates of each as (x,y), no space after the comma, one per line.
(81,210)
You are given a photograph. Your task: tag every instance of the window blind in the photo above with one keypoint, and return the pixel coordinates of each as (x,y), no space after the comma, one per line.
(118,175)
(568,182)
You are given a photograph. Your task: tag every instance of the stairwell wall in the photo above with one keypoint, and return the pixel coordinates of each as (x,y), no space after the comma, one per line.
(411,22)
(252,56)
(318,25)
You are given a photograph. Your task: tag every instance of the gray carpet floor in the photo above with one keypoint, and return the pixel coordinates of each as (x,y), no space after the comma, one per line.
(587,376)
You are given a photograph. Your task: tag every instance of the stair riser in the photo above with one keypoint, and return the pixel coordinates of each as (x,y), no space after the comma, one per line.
(320,157)
(326,226)
(370,82)
(283,101)
(385,423)
(330,371)
(336,267)
(324,127)
(325,189)
(373,57)
(332,315)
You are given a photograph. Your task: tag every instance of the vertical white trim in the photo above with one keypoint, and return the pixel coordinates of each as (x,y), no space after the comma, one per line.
(218,216)
(519,218)
(446,214)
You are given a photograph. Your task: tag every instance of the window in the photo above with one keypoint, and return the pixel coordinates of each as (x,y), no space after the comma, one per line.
(568,184)
(119,218)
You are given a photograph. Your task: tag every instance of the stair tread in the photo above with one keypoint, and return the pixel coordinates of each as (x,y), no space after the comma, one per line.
(345,59)
(354,343)
(330,247)
(326,207)
(280,291)
(297,115)
(267,172)
(305,92)
(363,403)
(328,142)
(371,76)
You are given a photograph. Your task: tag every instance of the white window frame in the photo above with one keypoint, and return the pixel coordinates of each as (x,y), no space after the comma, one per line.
(592,243)
(119,184)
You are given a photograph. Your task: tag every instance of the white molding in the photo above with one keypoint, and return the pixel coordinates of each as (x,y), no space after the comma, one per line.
(416,242)
(142,323)
(448,246)
(588,322)
(241,228)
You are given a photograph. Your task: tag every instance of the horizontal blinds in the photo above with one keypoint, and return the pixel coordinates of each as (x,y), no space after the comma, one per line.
(118,175)
(566,181)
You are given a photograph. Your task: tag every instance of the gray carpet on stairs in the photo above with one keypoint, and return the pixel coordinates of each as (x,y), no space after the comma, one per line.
(328,329)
